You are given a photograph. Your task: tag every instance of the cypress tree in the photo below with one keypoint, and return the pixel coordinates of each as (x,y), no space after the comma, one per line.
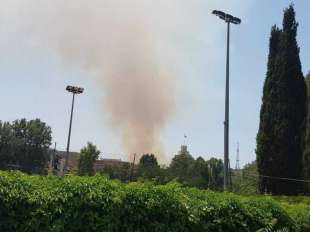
(306,158)
(265,137)
(280,136)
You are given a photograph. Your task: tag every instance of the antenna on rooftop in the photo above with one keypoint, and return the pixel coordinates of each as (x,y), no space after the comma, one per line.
(237,158)
(184,141)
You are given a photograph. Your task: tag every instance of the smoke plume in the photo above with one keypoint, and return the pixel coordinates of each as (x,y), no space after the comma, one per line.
(141,53)
(118,43)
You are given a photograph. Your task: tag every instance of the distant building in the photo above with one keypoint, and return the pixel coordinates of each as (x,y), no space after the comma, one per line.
(58,160)
(184,150)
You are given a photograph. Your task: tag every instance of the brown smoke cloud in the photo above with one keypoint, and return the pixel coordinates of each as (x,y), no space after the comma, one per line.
(142,54)
(118,42)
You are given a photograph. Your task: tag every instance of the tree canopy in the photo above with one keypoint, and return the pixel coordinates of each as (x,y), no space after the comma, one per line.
(148,167)
(282,117)
(306,158)
(181,166)
(88,156)
(25,145)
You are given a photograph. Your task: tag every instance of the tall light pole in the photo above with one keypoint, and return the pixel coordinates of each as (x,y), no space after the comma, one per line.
(228,19)
(74,90)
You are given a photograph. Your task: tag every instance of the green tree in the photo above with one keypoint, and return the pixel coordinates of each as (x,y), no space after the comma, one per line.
(33,139)
(245,181)
(181,166)
(282,117)
(196,173)
(7,140)
(266,137)
(25,145)
(120,172)
(148,167)
(306,158)
(199,174)
(216,174)
(88,156)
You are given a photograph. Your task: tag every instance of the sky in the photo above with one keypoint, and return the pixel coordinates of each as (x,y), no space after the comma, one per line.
(46,46)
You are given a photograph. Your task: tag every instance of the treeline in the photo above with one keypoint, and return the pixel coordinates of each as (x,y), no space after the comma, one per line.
(183,168)
(24,145)
(283,139)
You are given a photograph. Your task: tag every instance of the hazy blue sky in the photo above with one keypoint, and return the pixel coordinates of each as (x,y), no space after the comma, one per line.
(33,78)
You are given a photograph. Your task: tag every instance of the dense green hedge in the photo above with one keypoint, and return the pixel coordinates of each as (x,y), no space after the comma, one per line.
(298,208)
(34,203)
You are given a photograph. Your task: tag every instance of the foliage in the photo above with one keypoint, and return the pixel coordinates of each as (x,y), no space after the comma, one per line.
(299,209)
(25,145)
(88,156)
(73,203)
(148,167)
(121,172)
(282,116)
(184,169)
(300,214)
(306,158)
(196,173)
(293,200)
(200,174)
(245,181)
(181,166)
(216,174)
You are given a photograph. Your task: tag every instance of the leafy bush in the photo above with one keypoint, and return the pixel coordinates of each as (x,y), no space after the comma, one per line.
(298,208)
(72,203)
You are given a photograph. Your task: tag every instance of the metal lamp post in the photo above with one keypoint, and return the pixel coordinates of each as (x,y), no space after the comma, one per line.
(74,90)
(228,19)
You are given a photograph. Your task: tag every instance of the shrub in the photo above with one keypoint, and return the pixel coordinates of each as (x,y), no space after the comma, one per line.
(298,208)
(72,203)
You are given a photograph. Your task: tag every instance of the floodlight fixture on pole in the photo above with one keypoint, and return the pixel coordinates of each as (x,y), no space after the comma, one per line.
(74,90)
(234,20)
(226,17)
